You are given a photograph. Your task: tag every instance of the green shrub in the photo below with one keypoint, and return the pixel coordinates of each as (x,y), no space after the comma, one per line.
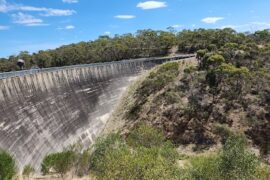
(59,162)
(204,167)
(164,74)
(146,155)
(7,166)
(168,97)
(102,147)
(223,131)
(201,53)
(145,135)
(154,82)
(144,163)
(27,170)
(211,60)
(235,161)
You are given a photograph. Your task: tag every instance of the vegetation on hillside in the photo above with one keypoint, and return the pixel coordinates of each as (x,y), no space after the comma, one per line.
(144,153)
(144,43)
(223,101)
(229,87)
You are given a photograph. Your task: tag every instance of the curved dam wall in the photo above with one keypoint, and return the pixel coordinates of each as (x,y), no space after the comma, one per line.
(44,111)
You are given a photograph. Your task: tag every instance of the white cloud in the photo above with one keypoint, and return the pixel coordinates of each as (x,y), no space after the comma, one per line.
(152,4)
(107,33)
(176,26)
(3,6)
(27,20)
(212,20)
(69,27)
(125,16)
(4,28)
(58,12)
(7,7)
(70,1)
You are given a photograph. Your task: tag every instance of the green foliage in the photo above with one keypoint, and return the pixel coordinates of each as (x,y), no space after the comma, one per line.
(136,159)
(59,162)
(210,61)
(144,43)
(72,158)
(171,97)
(28,170)
(144,163)
(204,167)
(102,147)
(144,135)
(157,79)
(165,74)
(235,161)
(7,166)
(231,70)
(201,53)
(216,58)
(213,60)
(223,131)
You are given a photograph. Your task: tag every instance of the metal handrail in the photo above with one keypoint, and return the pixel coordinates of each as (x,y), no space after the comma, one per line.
(35,71)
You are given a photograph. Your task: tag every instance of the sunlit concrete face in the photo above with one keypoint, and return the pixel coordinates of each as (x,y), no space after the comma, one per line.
(45,112)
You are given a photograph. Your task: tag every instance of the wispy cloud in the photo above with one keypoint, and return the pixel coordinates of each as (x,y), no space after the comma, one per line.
(125,16)
(152,5)
(252,26)
(4,28)
(7,7)
(212,20)
(68,27)
(176,26)
(70,1)
(58,12)
(27,20)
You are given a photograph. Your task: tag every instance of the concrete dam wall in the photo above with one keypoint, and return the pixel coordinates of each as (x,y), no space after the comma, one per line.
(44,111)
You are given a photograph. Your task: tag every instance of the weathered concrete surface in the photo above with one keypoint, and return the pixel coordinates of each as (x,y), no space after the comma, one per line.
(44,112)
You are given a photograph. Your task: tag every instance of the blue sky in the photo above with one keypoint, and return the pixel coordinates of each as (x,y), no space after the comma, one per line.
(34,25)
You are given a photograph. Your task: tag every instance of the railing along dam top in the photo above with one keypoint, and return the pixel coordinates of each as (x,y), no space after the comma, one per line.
(35,71)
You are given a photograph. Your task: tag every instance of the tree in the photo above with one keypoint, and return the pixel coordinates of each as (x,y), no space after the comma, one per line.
(7,166)
(211,61)
(43,59)
(236,162)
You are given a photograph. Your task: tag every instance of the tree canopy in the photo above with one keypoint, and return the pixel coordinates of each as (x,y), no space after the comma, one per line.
(143,43)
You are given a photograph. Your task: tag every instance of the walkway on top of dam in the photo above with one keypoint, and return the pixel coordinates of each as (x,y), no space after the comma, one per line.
(35,71)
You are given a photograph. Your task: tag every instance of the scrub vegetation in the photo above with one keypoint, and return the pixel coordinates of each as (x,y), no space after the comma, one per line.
(145,153)
(218,106)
